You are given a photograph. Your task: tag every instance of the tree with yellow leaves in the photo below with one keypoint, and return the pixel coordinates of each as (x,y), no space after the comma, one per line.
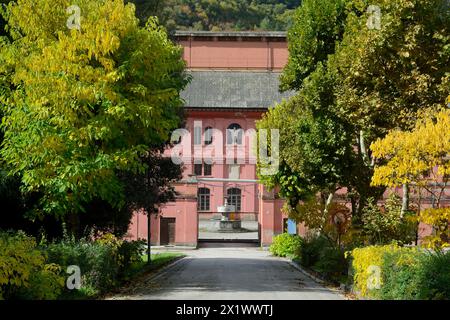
(420,158)
(83,103)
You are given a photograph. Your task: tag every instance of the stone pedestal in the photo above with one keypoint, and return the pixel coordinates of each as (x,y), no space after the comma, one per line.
(230,225)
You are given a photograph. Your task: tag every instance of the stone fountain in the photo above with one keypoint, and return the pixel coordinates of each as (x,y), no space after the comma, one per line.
(226,224)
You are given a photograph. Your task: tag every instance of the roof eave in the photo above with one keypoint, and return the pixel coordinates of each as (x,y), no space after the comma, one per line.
(245,34)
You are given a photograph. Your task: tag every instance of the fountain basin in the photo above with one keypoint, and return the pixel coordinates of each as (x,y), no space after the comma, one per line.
(229,225)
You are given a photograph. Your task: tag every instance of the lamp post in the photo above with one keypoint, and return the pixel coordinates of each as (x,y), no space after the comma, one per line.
(149,253)
(149,233)
(339,220)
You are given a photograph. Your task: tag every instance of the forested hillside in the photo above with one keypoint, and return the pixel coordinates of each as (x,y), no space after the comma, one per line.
(214,15)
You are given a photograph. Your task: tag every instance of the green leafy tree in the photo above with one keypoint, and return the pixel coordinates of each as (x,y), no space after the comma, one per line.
(317,147)
(317,153)
(311,141)
(85,104)
(317,27)
(388,74)
(360,82)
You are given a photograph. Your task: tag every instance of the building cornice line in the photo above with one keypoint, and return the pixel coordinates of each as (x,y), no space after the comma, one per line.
(245,34)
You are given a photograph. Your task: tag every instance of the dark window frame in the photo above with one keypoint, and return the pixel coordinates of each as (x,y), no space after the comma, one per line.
(208,136)
(203,199)
(207,169)
(234,196)
(232,137)
(198,169)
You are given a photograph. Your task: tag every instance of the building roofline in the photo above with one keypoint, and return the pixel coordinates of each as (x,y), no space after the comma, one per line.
(244,34)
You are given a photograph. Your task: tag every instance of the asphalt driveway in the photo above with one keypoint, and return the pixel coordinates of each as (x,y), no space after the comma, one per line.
(224,273)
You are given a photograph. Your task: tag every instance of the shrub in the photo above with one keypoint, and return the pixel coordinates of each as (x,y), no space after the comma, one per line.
(285,245)
(131,255)
(96,262)
(23,269)
(439,219)
(435,282)
(311,248)
(332,264)
(386,224)
(46,284)
(405,273)
(365,261)
(103,262)
(125,252)
(321,255)
(28,271)
(411,274)
(402,274)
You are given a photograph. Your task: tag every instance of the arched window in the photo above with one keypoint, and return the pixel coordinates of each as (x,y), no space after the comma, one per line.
(234,198)
(208,135)
(234,134)
(203,199)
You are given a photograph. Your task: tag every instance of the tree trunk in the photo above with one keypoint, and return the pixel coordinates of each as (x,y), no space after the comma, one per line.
(328,202)
(352,201)
(357,219)
(405,200)
(363,149)
(73,225)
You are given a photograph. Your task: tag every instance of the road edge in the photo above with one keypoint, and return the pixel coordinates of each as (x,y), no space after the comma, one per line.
(317,280)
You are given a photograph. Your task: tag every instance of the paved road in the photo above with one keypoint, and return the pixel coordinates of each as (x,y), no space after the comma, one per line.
(226,273)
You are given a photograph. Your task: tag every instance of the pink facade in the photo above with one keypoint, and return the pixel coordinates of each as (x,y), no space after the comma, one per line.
(264,55)
(242,51)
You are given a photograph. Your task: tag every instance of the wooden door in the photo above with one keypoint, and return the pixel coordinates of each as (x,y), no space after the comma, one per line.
(167,231)
(171,231)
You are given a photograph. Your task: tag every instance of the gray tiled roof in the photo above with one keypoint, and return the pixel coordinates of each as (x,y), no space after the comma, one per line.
(233,89)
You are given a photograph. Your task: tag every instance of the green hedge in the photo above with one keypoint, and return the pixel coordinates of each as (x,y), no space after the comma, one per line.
(401,275)
(405,273)
(320,255)
(418,276)
(285,245)
(316,253)
(311,249)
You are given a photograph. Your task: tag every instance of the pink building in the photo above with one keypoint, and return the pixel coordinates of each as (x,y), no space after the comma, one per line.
(234,81)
